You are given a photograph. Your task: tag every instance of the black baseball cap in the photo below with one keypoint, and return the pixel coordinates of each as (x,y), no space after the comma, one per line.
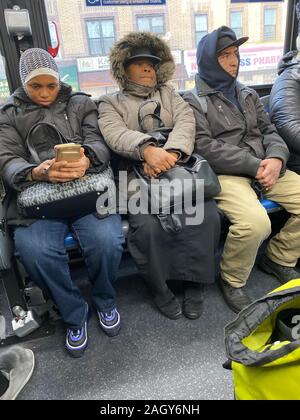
(229,39)
(142,53)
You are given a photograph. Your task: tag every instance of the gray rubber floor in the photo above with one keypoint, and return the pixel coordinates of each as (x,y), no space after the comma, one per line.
(152,358)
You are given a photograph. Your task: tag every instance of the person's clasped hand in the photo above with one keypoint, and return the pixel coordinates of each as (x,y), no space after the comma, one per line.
(269,172)
(158,160)
(63,171)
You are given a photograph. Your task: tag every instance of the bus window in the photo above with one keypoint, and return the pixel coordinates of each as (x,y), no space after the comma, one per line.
(88,29)
(4,88)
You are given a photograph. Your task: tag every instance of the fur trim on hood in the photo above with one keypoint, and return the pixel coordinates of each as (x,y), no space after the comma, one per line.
(120,52)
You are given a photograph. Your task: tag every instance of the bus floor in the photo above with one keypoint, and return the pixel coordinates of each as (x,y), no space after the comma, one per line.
(153,358)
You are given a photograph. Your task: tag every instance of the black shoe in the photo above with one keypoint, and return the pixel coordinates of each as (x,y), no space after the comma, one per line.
(193,301)
(282,273)
(170,309)
(236,299)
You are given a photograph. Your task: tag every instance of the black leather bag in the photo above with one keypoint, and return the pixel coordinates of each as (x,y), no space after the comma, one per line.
(197,168)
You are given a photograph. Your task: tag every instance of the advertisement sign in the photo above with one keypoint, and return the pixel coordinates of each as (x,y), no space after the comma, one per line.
(124,2)
(256,58)
(260,58)
(93,64)
(256,1)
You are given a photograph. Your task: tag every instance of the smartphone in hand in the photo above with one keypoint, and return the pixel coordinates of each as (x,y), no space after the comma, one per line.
(69,152)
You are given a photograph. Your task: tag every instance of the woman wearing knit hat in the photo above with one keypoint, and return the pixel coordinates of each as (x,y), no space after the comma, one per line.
(40,243)
(142,64)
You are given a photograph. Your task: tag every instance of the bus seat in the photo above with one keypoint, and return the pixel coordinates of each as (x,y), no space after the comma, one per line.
(270,206)
(265,100)
(70,241)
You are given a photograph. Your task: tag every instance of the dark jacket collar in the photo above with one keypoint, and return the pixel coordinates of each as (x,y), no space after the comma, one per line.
(204,90)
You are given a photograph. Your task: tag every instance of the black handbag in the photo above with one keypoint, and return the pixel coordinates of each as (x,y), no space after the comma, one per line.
(197,168)
(72,199)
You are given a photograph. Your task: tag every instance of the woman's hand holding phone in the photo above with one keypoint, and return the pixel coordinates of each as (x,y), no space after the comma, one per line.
(62,171)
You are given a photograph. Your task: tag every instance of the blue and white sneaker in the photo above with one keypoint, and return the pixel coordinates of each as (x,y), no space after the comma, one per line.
(110,322)
(77,340)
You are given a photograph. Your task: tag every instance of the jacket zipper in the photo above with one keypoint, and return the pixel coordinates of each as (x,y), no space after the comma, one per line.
(224,115)
(243,113)
(68,125)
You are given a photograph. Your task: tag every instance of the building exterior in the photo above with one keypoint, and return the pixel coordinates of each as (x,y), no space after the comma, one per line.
(87,32)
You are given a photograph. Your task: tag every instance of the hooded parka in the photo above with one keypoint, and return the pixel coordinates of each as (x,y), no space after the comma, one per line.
(119,112)
(285,106)
(160,256)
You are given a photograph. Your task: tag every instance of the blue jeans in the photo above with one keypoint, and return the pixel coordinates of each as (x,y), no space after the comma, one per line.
(41,249)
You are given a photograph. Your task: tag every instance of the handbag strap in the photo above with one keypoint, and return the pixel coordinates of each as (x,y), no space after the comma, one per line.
(170,223)
(29,144)
(155,115)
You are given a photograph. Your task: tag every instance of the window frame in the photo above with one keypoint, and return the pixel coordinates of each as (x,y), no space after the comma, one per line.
(266,9)
(151,16)
(99,20)
(241,28)
(196,15)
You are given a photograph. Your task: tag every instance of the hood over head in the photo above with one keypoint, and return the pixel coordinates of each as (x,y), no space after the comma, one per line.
(288,60)
(209,68)
(131,45)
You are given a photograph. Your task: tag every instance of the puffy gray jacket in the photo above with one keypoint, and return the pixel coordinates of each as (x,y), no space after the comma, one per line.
(235,142)
(118,113)
(285,106)
(118,120)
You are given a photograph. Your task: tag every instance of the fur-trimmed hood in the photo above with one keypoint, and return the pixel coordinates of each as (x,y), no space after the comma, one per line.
(121,51)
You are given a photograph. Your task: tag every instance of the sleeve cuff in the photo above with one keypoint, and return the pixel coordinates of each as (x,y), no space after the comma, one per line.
(143,147)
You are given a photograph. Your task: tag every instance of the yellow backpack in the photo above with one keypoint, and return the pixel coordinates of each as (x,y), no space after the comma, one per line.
(263,344)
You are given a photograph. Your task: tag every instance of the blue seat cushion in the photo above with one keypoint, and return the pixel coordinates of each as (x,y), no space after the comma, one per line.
(70,241)
(270,206)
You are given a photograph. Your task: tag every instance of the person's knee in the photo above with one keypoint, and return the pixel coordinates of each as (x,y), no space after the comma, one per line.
(25,245)
(257,227)
(109,244)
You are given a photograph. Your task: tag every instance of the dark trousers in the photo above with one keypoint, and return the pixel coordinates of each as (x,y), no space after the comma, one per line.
(188,255)
(42,251)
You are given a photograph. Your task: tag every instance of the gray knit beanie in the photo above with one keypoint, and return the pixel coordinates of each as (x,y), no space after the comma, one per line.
(35,62)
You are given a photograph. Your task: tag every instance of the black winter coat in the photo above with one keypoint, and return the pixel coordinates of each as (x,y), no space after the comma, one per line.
(74,115)
(233,141)
(285,106)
